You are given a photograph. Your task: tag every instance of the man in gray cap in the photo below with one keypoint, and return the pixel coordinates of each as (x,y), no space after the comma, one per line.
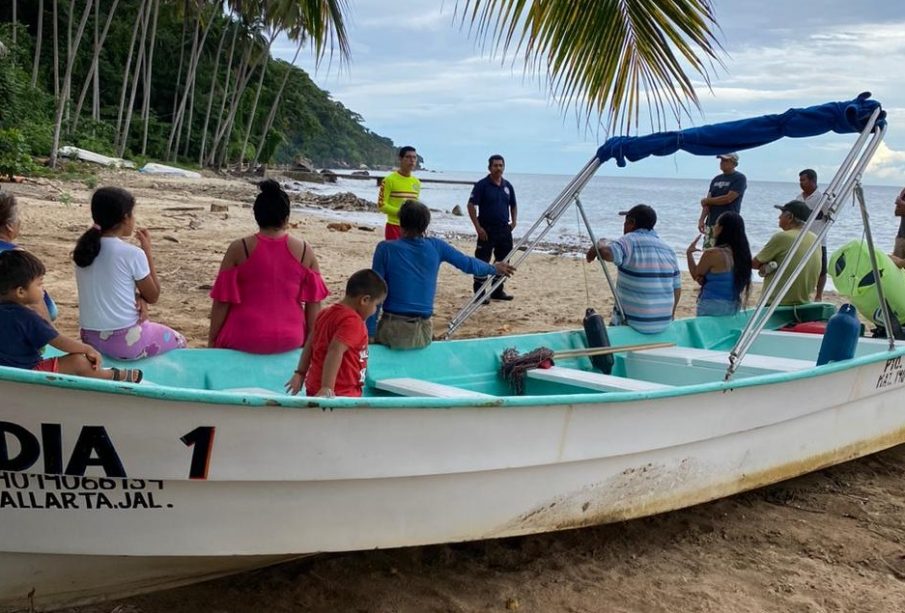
(791,218)
(725,194)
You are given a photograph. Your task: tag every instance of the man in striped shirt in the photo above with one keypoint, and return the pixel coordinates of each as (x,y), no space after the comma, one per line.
(649,284)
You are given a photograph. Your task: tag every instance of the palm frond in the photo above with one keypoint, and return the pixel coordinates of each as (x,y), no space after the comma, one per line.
(612,58)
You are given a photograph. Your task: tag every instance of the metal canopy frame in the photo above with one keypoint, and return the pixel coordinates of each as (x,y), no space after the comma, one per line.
(846,181)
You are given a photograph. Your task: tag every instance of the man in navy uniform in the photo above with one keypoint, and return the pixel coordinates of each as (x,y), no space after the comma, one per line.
(493,212)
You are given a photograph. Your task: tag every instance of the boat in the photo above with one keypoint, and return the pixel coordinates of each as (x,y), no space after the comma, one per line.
(109,489)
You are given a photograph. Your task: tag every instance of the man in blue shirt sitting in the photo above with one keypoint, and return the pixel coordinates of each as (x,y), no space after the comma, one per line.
(409,266)
(494,220)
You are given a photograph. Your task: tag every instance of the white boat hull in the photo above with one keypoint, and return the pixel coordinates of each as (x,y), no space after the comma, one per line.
(286,482)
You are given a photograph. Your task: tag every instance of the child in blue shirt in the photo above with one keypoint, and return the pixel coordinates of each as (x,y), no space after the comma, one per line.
(24,333)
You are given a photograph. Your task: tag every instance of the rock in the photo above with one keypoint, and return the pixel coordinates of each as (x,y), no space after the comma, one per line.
(345,201)
(206,286)
(219,208)
(360,173)
(512,604)
(339,226)
(172,239)
(457,211)
(366,228)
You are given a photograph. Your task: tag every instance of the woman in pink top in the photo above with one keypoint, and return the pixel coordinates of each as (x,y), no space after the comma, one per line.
(269,288)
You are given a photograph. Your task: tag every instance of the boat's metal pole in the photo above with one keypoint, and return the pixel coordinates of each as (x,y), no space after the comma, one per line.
(845,178)
(606,270)
(527,243)
(887,316)
(755,327)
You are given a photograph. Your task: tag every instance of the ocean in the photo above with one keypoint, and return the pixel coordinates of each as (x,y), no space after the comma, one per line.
(677,202)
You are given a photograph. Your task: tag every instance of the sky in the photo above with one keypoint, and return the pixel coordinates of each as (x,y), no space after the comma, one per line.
(418,77)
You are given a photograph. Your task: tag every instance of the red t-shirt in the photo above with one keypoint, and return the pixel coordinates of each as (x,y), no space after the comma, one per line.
(345,325)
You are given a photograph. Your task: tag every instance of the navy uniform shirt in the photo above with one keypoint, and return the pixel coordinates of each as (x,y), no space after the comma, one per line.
(720,186)
(493,202)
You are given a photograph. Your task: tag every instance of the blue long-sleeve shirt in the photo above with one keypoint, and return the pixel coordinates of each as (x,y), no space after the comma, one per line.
(409,266)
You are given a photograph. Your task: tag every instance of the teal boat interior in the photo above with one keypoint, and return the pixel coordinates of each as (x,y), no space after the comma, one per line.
(453,373)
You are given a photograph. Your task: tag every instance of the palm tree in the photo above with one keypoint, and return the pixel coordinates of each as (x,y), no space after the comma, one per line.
(63,99)
(606,56)
(92,70)
(39,37)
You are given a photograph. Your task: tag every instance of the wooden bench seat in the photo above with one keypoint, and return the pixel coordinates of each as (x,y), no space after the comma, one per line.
(593,380)
(418,387)
(708,357)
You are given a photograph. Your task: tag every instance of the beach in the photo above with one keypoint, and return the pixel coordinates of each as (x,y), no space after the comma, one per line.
(829,541)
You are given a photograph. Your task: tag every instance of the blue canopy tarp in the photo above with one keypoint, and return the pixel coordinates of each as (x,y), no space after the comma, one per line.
(839,117)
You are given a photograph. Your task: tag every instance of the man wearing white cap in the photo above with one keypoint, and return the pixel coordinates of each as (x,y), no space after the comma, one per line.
(725,194)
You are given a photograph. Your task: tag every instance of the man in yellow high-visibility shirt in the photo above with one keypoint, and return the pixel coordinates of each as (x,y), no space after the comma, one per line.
(397,187)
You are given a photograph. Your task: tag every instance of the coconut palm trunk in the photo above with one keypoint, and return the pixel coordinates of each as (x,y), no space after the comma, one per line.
(127,122)
(254,106)
(93,71)
(126,72)
(56,50)
(63,100)
(213,89)
(190,83)
(233,100)
(273,107)
(38,40)
(149,75)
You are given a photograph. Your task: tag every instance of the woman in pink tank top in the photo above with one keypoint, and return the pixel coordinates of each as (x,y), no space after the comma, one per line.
(269,288)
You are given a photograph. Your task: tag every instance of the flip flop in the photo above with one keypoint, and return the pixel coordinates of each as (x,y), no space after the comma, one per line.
(129,375)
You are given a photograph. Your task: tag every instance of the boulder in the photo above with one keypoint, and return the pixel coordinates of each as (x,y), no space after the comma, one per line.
(457,211)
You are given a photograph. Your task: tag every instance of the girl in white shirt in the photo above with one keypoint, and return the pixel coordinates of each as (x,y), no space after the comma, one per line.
(115,280)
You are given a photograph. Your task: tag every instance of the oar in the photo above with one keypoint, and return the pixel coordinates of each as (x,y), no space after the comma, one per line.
(577,353)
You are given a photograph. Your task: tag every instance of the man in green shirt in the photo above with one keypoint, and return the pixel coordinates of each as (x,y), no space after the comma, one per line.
(397,187)
(791,218)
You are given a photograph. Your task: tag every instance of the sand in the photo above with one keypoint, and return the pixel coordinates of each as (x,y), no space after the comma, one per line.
(829,541)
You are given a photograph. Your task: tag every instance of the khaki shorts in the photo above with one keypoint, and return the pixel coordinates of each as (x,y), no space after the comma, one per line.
(899,249)
(403,331)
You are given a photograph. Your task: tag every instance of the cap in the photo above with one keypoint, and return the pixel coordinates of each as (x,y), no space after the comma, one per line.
(797,208)
(729,156)
(643,215)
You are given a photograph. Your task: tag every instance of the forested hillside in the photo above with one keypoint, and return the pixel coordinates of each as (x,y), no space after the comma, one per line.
(177,80)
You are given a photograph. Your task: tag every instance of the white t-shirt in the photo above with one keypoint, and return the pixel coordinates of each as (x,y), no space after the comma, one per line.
(107,287)
(812,201)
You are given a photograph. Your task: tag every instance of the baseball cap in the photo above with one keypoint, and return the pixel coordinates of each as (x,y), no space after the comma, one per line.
(729,156)
(797,208)
(643,215)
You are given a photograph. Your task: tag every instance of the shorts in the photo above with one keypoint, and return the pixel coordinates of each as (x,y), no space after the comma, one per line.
(404,331)
(48,365)
(143,340)
(392,232)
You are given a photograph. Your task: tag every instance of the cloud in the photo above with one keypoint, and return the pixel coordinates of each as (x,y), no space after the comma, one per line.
(887,164)
(394,20)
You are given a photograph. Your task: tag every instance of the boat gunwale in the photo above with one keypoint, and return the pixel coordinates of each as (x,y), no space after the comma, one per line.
(219,397)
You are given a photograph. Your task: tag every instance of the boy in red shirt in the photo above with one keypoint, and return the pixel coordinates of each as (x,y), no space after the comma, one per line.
(334,361)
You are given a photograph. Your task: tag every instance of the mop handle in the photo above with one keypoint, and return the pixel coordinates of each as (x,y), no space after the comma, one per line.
(577,353)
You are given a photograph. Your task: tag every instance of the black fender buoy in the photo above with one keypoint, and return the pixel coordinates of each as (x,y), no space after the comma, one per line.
(596,335)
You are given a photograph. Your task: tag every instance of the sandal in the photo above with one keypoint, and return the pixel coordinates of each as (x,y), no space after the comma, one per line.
(129,375)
